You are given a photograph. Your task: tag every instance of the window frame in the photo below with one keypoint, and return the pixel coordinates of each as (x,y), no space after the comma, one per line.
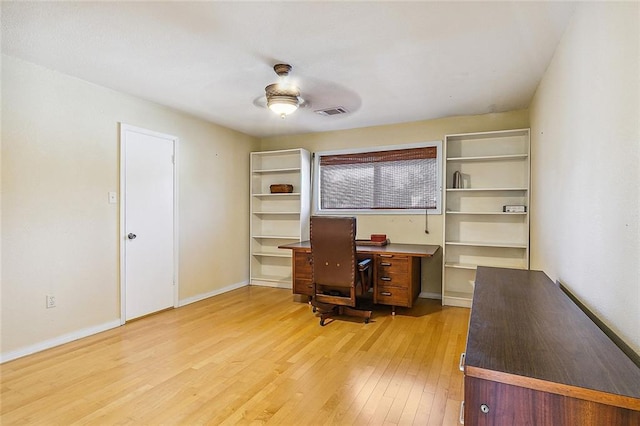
(317,210)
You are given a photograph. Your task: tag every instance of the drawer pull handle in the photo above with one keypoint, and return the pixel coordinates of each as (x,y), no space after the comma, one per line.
(385,255)
(385,264)
(484,408)
(461,365)
(385,293)
(461,418)
(385,278)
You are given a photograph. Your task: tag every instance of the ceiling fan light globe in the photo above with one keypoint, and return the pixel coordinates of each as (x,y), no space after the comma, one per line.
(283,105)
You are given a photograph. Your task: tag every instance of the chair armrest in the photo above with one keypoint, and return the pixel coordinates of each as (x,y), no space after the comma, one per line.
(364,264)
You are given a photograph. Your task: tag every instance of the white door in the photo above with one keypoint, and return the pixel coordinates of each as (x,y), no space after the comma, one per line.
(147,222)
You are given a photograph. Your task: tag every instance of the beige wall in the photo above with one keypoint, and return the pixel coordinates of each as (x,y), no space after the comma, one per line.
(59,234)
(403,228)
(585,120)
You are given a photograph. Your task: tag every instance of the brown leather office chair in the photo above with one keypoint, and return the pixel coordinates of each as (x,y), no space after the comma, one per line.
(335,271)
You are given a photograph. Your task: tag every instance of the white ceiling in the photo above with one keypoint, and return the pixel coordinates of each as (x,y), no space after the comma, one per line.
(385,62)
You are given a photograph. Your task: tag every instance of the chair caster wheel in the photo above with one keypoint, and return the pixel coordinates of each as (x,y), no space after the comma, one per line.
(321,323)
(366,320)
(314,310)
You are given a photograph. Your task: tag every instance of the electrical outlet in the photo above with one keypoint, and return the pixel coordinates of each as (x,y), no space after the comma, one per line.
(51,301)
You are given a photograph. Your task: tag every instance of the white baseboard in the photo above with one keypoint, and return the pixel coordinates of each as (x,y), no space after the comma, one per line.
(203,296)
(428,295)
(57,341)
(271,284)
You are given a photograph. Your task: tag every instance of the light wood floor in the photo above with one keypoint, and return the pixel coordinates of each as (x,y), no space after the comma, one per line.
(253,355)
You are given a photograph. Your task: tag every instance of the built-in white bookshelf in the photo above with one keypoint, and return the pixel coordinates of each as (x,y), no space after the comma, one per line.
(277,218)
(494,169)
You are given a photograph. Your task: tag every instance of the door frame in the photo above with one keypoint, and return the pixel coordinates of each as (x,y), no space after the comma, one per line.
(121,228)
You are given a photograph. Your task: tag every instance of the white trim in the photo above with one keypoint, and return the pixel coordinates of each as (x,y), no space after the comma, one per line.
(316,179)
(429,295)
(259,282)
(57,341)
(176,228)
(490,133)
(203,296)
(124,128)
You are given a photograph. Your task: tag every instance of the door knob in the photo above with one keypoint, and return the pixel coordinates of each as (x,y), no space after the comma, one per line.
(131,236)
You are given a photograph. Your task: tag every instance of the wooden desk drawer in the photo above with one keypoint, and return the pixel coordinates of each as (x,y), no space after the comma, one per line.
(396,296)
(397,279)
(393,280)
(302,286)
(302,263)
(302,273)
(392,271)
(391,264)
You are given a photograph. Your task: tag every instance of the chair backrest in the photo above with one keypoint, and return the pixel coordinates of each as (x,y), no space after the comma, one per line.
(333,251)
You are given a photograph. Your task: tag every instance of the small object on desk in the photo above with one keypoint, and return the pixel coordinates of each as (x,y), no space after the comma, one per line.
(281,188)
(514,209)
(372,243)
(378,237)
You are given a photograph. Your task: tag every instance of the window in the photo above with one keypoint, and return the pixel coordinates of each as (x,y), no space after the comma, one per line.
(401,179)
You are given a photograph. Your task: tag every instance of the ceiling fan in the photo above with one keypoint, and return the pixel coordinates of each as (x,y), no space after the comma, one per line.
(283,97)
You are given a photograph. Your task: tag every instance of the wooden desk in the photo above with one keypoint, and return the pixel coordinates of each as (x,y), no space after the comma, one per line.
(396,272)
(534,358)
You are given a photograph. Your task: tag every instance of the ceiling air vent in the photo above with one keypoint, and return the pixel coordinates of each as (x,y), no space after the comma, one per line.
(331,111)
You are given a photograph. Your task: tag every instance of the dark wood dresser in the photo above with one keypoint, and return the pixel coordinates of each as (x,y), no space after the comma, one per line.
(534,358)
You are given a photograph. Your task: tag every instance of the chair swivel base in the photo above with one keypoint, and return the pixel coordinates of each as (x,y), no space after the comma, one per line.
(344,310)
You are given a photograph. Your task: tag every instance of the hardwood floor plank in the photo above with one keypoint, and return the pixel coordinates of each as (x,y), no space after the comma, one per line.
(424,408)
(249,356)
(411,405)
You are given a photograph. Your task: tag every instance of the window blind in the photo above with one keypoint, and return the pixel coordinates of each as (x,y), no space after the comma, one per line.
(391,179)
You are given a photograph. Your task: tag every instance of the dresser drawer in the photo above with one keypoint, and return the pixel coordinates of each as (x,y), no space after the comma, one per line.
(396,296)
